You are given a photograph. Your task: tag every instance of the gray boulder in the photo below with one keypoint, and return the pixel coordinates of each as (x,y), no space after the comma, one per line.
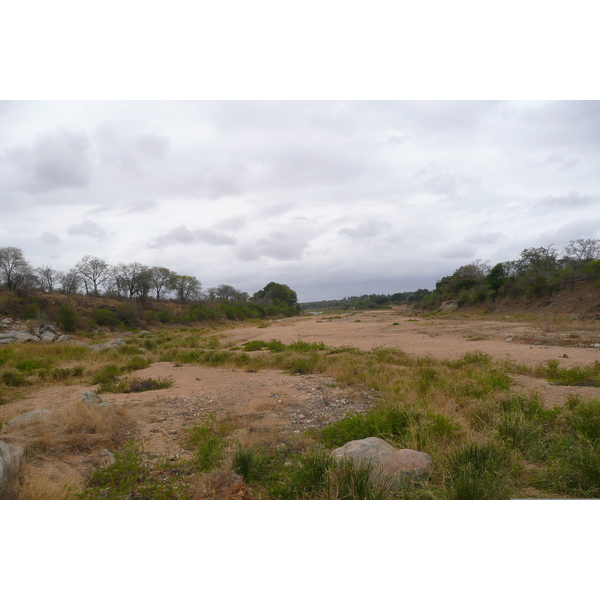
(113,344)
(33,415)
(391,467)
(92,399)
(12,459)
(48,337)
(22,337)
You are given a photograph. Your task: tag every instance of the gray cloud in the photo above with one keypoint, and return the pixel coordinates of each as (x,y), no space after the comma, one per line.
(368,229)
(153,147)
(52,162)
(571,231)
(142,206)
(458,251)
(277,245)
(89,229)
(570,200)
(183,235)
(484,238)
(233,224)
(49,238)
(561,159)
(273,210)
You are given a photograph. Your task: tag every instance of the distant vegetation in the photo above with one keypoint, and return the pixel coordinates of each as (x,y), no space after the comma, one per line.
(145,295)
(537,273)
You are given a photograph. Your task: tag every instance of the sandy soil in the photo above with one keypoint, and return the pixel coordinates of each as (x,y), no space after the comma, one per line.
(268,401)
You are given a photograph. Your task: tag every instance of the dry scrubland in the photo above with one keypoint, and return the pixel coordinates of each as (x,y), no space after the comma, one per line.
(507,406)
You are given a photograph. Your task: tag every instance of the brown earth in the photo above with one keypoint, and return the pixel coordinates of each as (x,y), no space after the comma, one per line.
(270,403)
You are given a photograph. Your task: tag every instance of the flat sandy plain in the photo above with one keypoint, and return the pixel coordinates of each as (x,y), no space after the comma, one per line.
(269,400)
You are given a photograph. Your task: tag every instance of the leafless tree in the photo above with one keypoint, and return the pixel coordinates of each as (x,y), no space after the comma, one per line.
(48,277)
(94,272)
(582,250)
(70,282)
(16,273)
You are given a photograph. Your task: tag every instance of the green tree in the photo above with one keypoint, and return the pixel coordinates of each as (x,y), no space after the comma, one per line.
(278,294)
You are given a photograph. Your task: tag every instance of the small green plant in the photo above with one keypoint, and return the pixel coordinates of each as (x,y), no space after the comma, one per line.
(478,472)
(208,443)
(13,379)
(254,345)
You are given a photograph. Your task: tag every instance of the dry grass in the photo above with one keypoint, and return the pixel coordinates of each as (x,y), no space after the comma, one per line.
(37,484)
(76,427)
(220,484)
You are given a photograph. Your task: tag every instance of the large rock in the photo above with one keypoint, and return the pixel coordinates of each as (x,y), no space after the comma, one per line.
(390,466)
(113,344)
(48,337)
(10,335)
(33,415)
(12,459)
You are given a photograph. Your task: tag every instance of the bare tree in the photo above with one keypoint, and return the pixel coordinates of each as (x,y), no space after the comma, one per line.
(227,293)
(94,272)
(48,277)
(16,273)
(582,250)
(71,282)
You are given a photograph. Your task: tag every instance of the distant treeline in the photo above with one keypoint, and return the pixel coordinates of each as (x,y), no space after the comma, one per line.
(535,274)
(366,302)
(137,286)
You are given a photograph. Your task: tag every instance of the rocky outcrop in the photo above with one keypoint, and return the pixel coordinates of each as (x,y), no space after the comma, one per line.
(12,331)
(391,467)
(12,459)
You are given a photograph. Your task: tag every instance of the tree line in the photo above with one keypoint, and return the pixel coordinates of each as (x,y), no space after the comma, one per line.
(536,273)
(94,276)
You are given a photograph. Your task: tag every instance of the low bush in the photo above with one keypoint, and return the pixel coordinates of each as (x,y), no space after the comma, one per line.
(68,319)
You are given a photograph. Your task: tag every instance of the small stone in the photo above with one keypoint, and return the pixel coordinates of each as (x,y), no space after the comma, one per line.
(509,339)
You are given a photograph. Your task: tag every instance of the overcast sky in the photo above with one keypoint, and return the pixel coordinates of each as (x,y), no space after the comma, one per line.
(332,198)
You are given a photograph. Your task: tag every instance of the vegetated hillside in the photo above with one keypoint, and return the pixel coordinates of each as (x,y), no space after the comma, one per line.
(76,312)
(582,299)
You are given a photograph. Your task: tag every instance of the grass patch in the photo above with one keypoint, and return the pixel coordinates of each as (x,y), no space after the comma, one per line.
(478,472)
(135,385)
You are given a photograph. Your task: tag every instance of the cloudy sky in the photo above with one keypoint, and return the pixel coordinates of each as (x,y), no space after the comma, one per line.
(332,198)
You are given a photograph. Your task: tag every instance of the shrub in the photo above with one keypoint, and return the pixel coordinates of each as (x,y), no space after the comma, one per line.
(13,379)
(68,319)
(208,443)
(104,317)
